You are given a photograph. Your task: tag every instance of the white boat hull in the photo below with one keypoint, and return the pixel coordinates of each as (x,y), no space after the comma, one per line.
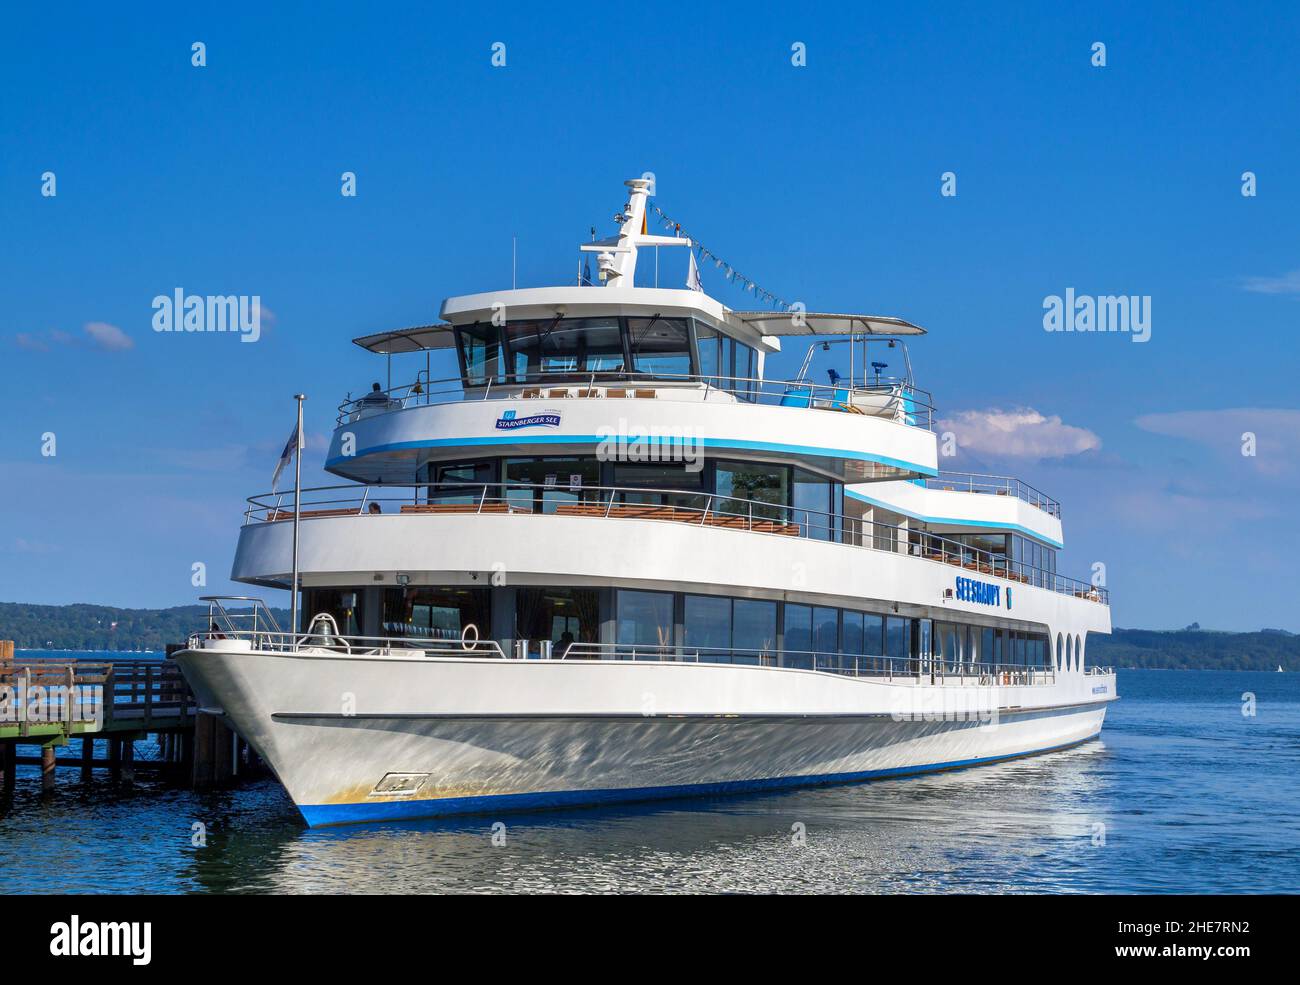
(479,736)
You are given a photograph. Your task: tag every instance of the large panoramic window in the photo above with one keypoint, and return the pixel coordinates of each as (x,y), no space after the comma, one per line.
(561,615)
(815,501)
(659,346)
(753,630)
(461,482)
(707,623)
(798,636)
(436,613)
(852,629)
(897,638)
(344,604)
(873,635)
(550,481)
(645,481)
(645,618)
(769,485)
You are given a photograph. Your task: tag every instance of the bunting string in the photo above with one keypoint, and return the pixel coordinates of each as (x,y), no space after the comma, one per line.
(728,271)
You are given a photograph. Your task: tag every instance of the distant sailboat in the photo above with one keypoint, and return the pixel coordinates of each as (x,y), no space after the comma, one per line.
(1279,668)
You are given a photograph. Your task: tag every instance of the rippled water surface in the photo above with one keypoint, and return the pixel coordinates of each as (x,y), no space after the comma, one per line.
(1183,793)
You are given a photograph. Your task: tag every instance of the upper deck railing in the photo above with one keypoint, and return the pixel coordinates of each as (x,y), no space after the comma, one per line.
(888,397)
(691,507)
(997,485)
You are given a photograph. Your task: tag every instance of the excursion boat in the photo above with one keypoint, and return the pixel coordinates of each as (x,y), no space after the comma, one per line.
(613,559)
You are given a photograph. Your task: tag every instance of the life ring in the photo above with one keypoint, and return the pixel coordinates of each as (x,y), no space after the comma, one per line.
(465,642)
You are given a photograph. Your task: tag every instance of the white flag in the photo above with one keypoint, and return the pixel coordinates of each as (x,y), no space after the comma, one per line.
(293,444)
(693,275)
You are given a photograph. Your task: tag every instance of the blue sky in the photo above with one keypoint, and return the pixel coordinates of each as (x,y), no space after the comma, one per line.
(821,182)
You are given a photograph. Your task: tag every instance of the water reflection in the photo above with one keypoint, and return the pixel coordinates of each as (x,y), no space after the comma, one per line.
(1183,794)
(973,830)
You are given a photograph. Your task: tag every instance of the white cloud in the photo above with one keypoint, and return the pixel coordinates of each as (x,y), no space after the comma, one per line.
(100,334)
(1288,283)
(25,546)
(108,337)
(1276,432)
(1019,433)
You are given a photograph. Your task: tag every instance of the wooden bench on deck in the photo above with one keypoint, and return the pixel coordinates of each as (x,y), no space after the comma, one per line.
(489,507)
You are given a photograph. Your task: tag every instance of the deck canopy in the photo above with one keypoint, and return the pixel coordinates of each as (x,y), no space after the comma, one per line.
(821,323)
(414,339)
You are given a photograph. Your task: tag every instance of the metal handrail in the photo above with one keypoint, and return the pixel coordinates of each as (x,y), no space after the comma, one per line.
(692,506)
(907,403)
(997,484)
(848,664)
(219,615)
(356,646)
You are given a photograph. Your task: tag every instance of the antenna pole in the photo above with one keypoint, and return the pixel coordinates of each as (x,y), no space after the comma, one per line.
(297,509)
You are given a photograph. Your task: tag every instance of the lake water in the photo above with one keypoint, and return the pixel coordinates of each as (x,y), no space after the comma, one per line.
(1183,793)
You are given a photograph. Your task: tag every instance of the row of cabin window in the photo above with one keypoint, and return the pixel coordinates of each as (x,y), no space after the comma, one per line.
(722,628)
(748,628)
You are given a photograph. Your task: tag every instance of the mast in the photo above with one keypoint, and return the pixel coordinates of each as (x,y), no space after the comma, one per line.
(616,260)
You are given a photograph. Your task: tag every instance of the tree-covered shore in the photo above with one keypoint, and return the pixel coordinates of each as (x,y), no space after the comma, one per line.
(102,627)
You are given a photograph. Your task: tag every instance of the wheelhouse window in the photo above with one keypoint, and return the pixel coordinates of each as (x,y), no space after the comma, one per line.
(726,363)
(659,346)
(708,343)
(479,347)
(547,349)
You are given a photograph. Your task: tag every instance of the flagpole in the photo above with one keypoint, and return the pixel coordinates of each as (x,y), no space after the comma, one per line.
(297,508)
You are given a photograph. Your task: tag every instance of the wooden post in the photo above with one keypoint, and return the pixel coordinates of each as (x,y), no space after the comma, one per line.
(115,758)
(204,727)
(222,751)
(128,759)
(110,684)
(87,758)
(148,694)
(10,754)
(47,768)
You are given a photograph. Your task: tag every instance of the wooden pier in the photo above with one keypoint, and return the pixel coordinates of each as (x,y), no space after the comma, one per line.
(49,702)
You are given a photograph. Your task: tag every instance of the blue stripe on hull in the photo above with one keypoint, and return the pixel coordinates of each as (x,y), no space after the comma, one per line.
(318,815)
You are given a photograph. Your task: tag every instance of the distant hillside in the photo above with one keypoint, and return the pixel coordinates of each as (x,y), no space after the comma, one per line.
(102,627)
(1196,649)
